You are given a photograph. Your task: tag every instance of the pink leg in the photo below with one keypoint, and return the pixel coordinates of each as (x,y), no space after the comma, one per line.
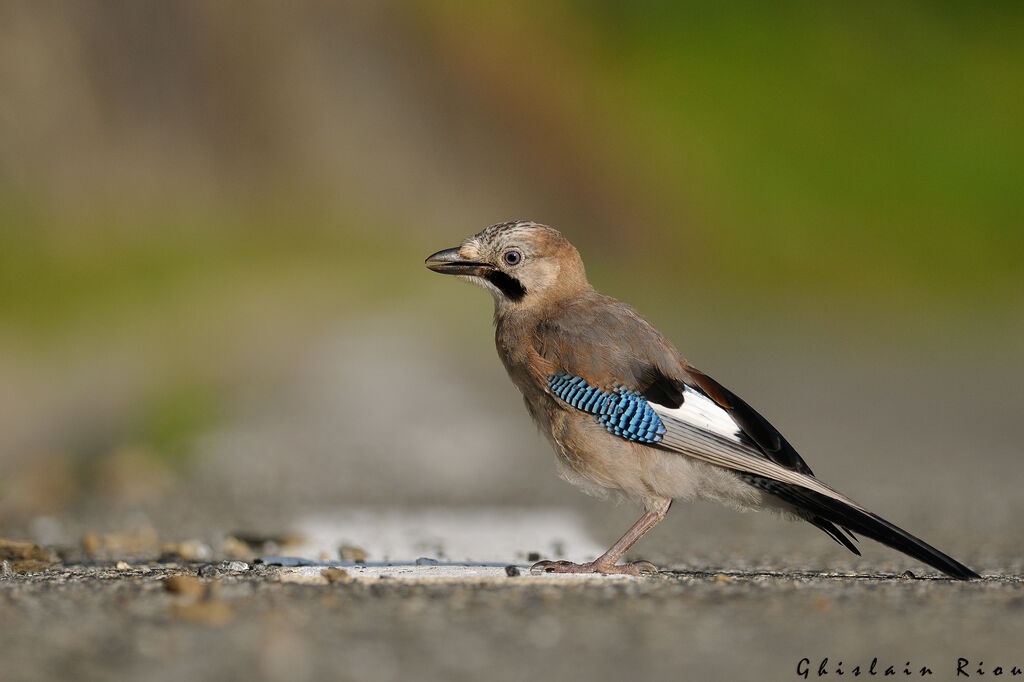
(607,562)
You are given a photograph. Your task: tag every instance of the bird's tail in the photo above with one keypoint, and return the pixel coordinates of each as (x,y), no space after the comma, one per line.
(827,513)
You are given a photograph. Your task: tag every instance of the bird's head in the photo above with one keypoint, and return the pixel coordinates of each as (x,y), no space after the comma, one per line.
(522,264)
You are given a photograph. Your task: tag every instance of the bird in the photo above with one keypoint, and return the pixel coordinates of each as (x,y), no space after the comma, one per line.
(628,416)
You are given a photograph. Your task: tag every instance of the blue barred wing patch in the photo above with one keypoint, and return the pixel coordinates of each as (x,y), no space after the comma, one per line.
(622,412)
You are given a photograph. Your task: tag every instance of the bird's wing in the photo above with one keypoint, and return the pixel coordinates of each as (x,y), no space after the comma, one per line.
(751,426)
(697,428)
(616,353)
(709,407)
(613,364)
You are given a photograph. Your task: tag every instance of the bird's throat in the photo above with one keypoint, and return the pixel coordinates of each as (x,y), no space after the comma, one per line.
(511,287)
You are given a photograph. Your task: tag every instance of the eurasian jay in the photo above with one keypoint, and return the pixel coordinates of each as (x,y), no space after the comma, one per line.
(625,412)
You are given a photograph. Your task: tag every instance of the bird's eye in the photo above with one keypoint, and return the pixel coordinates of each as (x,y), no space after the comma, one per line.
(512,257)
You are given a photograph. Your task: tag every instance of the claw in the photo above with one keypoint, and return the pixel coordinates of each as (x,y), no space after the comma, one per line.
(555,567)
(645,567)
(635,568)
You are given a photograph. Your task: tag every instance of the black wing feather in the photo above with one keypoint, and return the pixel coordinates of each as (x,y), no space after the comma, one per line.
(767,438)
(756,430)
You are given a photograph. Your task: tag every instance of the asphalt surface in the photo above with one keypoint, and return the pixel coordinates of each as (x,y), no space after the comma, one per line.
(257,622)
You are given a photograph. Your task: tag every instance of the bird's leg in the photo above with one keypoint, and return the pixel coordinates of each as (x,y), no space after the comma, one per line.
(607,562)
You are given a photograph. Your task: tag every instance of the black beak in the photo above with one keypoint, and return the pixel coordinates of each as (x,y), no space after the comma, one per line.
(448,262)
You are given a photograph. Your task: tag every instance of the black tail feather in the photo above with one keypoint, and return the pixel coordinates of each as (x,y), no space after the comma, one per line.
(827,513)
(836,533)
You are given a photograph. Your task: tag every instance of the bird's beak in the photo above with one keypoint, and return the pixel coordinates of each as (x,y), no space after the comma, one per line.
(448,262)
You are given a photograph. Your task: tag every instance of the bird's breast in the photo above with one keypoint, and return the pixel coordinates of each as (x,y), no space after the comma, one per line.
(527,369)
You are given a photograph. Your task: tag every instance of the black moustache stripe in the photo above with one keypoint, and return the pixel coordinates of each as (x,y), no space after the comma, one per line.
(510,286)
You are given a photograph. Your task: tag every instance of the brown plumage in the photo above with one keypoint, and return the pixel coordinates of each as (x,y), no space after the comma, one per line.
(624,411)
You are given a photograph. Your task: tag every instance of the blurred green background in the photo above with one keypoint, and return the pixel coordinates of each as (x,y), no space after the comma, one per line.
(213,214)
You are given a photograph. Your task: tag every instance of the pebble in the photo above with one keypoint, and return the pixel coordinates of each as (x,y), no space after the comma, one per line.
(207,571)
(356,555)
(255,539)
(22,551)
(130,542)
(186,585)
(236,566)
(211,612)
(426,561)
(122,566)
(286,575)
(336,575)
(25,556)
(189,550)
(236,549)
(511,571)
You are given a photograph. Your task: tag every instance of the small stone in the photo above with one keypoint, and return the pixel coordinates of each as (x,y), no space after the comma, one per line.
(511,571)
(236,566)
(908,575)
(426,561)
(189,550)
(236,549)
(268,542)
(5,568)
(336,575)
(91,543)
(26,556)
(210,612)
(122,566)
(133,542)
(300,576)
(722,578)
(14,550)
(356,555)
(207,571)
(533,556)
(186,585)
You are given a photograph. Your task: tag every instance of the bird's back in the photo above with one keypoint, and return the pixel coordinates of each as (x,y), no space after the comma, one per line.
(604,341)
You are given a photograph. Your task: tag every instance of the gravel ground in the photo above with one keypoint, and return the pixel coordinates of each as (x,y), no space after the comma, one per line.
(242,621)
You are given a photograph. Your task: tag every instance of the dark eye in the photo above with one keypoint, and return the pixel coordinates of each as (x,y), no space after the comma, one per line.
(512,257)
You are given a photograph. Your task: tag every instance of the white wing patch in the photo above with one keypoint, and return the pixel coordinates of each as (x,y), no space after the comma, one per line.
(703,430)
(700,411)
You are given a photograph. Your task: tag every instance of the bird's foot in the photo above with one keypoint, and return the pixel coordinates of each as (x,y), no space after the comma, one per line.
(635,568)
